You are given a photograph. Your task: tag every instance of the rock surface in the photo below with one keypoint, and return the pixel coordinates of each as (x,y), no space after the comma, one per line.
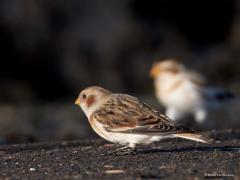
(171,159)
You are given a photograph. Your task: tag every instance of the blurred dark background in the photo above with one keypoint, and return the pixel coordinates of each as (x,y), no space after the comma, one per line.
(50,50)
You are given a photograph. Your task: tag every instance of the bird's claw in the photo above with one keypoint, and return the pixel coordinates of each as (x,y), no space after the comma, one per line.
(122,151)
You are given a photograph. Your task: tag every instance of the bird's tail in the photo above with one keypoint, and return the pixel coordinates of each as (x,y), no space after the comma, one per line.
(217,97)
(194,137)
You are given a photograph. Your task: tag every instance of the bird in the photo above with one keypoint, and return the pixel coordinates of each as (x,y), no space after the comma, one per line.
(185,92)
(125,120)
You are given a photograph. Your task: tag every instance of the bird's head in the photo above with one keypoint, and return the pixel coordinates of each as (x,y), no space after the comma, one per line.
(166,66)
(91,98)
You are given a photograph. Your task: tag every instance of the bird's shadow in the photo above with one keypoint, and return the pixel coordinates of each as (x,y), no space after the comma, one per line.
(192,149)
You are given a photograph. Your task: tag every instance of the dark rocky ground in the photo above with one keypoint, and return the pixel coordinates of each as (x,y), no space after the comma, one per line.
(89,159)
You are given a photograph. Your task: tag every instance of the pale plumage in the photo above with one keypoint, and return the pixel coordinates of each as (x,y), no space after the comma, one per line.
(181,91)
(125,120)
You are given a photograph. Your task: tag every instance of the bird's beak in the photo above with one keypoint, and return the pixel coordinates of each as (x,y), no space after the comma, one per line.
(78,102)
(154,72)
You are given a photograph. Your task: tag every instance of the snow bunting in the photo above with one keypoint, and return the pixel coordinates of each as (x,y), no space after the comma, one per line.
(184,92)
(123,119)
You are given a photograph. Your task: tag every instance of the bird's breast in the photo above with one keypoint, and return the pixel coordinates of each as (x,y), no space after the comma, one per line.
(100,130)
(118,137)
(180,95)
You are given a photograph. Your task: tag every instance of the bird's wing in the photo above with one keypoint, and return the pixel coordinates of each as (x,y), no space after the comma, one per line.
(126,114)
(196,78)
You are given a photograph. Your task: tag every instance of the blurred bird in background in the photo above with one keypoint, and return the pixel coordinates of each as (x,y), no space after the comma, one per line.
(185,92)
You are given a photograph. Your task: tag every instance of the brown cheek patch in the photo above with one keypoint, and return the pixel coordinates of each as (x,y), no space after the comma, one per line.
(172,69)
(175,70)
(90,100)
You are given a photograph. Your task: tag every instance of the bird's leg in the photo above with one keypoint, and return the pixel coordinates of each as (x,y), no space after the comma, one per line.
(130,149)
(200,115)
(122,148)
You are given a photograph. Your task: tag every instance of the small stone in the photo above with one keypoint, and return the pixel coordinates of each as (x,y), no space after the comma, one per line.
(64,143)
(114,171)
(108,166)
(32,169)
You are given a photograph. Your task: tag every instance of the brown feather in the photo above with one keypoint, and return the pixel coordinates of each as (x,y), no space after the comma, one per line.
(137,118)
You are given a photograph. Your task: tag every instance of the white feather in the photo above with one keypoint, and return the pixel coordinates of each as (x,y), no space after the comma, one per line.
(184,99)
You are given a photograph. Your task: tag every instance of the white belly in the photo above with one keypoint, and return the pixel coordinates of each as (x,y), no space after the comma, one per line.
(185,98)
(126,139)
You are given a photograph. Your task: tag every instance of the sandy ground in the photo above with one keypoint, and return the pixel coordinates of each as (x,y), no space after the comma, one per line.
(170,159)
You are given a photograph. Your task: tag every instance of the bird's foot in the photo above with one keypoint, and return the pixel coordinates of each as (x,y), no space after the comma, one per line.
(122,151)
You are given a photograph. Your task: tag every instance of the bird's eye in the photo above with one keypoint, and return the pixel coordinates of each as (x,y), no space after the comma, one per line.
(84,96)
